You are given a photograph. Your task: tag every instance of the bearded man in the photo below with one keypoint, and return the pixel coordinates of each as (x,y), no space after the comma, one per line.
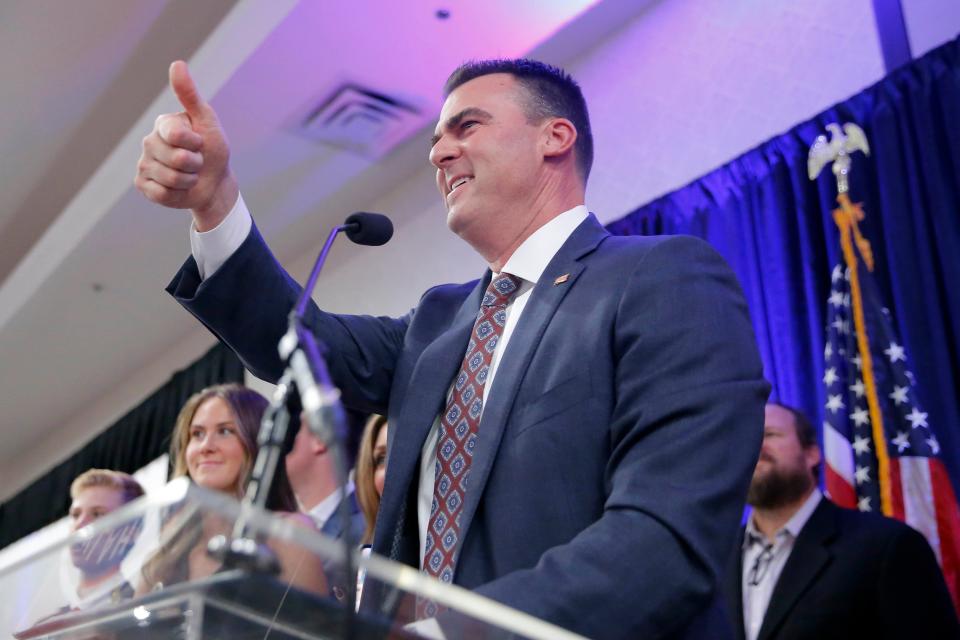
(807,568)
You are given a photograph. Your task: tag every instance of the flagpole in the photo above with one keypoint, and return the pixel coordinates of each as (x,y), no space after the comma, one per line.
(837,152)
(846,217)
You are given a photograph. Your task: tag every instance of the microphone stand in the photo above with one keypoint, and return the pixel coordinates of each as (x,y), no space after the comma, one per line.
(307,374)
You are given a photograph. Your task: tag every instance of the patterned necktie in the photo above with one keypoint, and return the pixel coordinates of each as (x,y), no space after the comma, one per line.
(458,430)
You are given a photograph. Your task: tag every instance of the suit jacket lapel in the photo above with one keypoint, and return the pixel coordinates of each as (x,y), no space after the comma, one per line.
(809,557)
(334,526)
(428,386)
(540,308)
(734,588)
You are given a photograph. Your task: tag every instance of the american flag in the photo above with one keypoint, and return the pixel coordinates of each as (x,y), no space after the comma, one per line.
(881,451)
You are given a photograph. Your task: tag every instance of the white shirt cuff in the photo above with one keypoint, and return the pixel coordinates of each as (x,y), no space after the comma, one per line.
(212,248)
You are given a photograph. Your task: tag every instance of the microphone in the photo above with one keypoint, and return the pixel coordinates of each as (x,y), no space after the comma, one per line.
(306,374)
(370,229)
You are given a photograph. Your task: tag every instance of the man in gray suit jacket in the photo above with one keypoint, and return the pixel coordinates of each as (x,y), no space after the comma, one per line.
(619,406)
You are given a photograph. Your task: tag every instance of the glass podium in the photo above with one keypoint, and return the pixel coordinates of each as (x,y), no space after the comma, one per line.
(147,571)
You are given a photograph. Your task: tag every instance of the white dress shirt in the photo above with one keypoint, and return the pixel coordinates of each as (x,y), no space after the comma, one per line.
(528,263)
(324,510)
(767,560)
(212,248)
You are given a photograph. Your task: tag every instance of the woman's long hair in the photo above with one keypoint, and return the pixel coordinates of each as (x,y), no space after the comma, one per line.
(247,407)
(367,494)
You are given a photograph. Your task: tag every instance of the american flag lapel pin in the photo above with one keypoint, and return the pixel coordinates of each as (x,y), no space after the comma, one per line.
(561,279)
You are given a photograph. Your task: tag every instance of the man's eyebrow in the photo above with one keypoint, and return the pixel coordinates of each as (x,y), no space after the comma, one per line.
(457,118)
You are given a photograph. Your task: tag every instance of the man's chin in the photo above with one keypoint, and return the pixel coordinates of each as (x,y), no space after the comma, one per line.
(459,221)
(772,490)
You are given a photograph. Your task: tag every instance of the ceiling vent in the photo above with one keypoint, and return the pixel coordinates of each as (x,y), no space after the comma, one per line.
(362,121)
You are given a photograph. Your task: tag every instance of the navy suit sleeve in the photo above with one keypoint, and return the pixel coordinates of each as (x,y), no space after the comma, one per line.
(685,434)
(362,351)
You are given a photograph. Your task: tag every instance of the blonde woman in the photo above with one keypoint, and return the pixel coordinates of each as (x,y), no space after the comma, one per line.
(215,444)
(371,471)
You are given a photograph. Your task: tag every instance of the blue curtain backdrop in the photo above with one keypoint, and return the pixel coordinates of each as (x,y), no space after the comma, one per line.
(775,228)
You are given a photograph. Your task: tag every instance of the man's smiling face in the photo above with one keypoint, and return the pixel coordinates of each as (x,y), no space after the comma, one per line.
(487,158)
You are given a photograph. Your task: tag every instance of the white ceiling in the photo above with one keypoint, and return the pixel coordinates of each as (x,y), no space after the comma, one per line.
(83,258)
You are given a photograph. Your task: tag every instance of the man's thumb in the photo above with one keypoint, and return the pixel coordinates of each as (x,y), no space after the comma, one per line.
(184,88)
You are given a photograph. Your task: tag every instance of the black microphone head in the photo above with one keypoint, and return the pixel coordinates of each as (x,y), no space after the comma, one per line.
(371,229)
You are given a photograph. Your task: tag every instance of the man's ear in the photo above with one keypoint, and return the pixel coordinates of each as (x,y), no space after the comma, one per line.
(559,136)
(812,455)
(317,446)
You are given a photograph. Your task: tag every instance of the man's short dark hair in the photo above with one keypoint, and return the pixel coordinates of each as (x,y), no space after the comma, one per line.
(806,434)
(551,91)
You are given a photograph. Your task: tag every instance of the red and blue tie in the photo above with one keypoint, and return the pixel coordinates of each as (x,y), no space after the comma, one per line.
(458,430)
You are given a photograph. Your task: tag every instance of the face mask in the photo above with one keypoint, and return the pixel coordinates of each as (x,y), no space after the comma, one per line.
(105,551)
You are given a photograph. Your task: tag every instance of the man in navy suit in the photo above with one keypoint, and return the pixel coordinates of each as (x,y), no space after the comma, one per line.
(313,477)
(621,410)
(805,568)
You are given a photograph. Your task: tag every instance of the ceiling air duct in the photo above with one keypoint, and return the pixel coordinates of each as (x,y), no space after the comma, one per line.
(361,121)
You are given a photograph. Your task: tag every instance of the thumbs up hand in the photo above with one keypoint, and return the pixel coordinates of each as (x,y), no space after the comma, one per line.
(185,159)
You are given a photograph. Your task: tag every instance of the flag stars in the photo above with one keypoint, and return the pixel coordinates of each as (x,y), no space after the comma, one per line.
(830,376)
(934,445)
(899,395)
(861,445)
(857,388)
(837,274)
(862,475)
(842,326)
(864,504)
(836,298)
(857,360)
(835,403)
(860,417)
(827,351)
(902,440)
(895,352)
(917,418)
